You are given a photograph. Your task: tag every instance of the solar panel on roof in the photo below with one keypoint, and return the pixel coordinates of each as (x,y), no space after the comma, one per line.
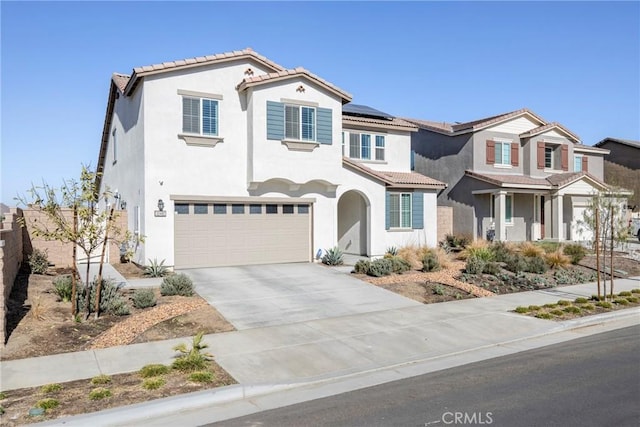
(363,110)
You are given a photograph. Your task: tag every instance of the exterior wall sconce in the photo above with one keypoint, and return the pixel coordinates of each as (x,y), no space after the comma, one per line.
(123,205)
(160,205)
(160,212)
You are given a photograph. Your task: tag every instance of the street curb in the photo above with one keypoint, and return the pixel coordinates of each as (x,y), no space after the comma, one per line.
(140,413)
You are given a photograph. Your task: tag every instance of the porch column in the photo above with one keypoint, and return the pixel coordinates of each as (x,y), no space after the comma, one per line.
(500,215)
(557,228)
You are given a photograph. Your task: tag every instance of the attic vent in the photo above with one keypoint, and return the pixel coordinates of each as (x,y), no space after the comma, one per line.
(300,89)
(248,72)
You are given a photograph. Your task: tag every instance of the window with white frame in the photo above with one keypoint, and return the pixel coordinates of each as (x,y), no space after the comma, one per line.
(577,164)
(200,116)
(299,123)
(503,153)
(400,210)
(360,146)
(508,204)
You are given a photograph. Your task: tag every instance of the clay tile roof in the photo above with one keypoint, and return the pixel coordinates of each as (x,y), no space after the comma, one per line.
(394,123)
(285,74)
(562,179)
(549,126)
(509,179)
(629,142)
(120,80)
(431,125)
(397,179)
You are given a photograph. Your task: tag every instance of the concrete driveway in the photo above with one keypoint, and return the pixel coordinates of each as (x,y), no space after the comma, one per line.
(280,294)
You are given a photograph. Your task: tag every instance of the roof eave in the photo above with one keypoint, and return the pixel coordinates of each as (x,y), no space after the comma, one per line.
(113,90)
(344,96)
(390,126)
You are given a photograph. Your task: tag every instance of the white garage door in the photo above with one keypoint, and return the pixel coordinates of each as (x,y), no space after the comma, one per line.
(218,234)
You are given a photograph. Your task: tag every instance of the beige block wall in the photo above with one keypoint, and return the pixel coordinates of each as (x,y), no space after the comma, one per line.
(61,254)
(445,222)
(11,258)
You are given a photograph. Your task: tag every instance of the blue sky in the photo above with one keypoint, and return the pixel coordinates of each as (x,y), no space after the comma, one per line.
(577,63)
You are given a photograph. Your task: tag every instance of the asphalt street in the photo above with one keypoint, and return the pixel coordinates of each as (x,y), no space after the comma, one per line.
(592,381)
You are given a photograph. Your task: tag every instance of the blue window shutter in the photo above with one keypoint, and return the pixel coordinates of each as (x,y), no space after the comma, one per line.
(387,208)
(275,120)
(417,210)
(324,132)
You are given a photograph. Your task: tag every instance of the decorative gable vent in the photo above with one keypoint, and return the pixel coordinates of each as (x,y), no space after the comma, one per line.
(248,72)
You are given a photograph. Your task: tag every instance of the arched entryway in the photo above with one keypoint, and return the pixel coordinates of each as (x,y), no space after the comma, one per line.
(353,223)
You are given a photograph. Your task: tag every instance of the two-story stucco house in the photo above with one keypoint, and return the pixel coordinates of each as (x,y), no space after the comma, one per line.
(512,177)
(232,159)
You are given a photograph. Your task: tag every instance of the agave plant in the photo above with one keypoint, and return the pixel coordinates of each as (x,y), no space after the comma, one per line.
(156,270)
(333,256)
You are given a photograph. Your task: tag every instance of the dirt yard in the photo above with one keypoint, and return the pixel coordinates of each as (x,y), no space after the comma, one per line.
(39,324)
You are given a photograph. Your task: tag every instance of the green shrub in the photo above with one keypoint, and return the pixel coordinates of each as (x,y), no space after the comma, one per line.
(393,251)
(50,388)
(153,383)
(38,261)
(156,270)
(588,307)
(47,404)
(624,294)
(430,261)
(596,298)
(111,301)
(581,300)
(380,267)
(550,305)
(635,291)
(621,301)
(557,259)
(201,377)
(3,395)
(557,312)
(192,359)
(62,287)
(438,290)
(333,256)
(537,265)
(501,251)
(575,252)
(481,252)
(491,268)
(604,304)
(399,265)
(543,316)
(534,307)
(521,309)
(452,242)
(144,298)
(632,300)
(516,263)
(572,309)
(564,302)
(362,267)
(549,246)
(153,370)
(99,393)
(2,411)
(475,265)
(101,379)
(177,284)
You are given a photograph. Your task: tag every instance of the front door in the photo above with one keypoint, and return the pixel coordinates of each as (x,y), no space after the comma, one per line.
(542,217)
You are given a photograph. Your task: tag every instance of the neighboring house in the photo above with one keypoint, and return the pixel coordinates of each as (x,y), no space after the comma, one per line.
(622,166)
(231,159)
(512,177)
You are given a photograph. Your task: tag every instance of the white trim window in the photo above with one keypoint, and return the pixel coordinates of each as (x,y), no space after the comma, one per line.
(400,210)
(299,123)
(577,163)
(360,146)
(508,201)
(549,161)
(503,153)
(200,116)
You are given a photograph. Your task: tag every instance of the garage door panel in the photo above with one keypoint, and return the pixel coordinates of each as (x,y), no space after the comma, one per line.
(209,240)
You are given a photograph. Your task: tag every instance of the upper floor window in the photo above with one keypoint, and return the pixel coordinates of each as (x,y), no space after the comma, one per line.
(200,116)
(503,153)
(400,210)
(553,156)
(577,164)
(548,157)
(300,123)
(360,147)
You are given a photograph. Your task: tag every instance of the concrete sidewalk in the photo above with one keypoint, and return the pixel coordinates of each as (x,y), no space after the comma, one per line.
(329,348)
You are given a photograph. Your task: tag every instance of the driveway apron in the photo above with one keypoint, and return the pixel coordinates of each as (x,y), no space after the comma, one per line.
(280,294)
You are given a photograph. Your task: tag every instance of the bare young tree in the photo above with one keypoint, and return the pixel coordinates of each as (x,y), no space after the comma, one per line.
(88,228)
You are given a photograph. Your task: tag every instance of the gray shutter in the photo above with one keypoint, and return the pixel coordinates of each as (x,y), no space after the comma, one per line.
(387,205)
(324,132)
(275,120)
(417,210)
